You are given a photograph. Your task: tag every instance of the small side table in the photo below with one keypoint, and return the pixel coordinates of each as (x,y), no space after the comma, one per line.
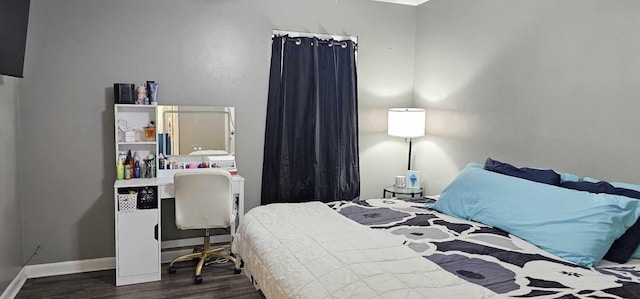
(395,190)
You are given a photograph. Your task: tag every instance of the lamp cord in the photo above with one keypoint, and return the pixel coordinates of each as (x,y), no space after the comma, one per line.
(409,162)
(32,255)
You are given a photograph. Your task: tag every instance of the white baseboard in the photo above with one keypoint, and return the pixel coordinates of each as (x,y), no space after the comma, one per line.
(70,267)
(16,284)
(106,263)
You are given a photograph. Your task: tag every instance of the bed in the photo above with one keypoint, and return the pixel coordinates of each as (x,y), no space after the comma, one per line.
(402,248)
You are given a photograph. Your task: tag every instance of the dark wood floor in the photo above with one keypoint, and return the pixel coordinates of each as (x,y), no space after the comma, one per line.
(218,281)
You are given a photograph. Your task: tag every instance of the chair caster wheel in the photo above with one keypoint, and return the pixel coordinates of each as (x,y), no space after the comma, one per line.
(237,271)
(172,270)
(197,280)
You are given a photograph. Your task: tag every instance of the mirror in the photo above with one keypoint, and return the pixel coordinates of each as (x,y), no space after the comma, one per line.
(196,130)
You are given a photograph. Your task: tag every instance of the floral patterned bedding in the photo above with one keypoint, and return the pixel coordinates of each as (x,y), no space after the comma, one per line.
(489,256)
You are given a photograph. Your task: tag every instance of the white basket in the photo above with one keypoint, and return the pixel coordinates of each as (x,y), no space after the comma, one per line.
(127,202)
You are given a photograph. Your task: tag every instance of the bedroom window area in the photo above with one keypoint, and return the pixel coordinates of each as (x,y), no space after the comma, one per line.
(311,135)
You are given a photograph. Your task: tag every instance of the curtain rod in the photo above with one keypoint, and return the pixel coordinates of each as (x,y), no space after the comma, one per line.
(318,35)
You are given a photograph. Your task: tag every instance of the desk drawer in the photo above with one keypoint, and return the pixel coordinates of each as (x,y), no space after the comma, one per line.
(166,191)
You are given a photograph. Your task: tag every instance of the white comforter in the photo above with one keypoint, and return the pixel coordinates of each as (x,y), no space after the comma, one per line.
(307,250)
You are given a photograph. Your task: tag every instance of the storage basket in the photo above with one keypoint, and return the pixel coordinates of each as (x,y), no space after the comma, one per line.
(127,202)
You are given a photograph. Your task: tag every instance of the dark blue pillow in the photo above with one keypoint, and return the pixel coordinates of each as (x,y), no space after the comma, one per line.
(622,248)
(601,187)
(537,175)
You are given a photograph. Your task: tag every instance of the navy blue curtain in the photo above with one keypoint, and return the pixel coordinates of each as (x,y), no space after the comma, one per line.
(311,136)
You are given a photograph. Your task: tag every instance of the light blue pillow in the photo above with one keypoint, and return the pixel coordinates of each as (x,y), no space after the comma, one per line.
(636,254)
(590,180)
(575,225)
(568,177)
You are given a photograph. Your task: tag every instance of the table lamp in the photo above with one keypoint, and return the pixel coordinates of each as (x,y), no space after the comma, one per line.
(407,123)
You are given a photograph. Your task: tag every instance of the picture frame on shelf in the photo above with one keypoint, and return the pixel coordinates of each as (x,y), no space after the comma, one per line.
(413,179)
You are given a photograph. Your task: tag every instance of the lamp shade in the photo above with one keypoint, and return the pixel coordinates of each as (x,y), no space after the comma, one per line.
(406,122)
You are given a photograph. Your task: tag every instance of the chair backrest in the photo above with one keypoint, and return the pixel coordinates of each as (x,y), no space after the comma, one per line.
(203,199)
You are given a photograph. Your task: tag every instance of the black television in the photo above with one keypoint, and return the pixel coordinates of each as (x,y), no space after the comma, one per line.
(14,17)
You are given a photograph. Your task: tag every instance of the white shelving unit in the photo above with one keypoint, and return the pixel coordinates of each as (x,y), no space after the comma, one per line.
(134,117)
(137,231)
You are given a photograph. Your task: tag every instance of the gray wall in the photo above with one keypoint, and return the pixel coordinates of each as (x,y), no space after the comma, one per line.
(539,83)
(10,204)
(550,84)
(201,53)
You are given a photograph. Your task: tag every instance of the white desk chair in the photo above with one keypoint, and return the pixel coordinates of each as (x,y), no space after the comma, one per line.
(203,200)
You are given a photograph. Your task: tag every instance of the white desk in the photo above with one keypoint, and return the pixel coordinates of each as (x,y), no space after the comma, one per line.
(138,241)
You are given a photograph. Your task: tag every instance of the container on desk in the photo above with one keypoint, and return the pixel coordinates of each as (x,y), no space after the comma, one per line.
(150,133)
(130,136)
(148,198)
(127,202)
(400,181)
